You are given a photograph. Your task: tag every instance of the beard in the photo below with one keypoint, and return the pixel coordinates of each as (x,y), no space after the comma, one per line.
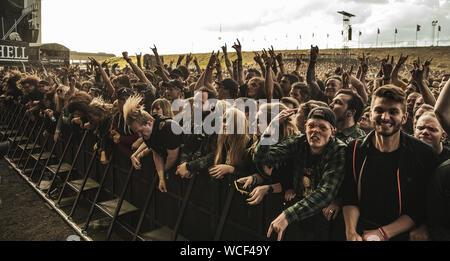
(389,131)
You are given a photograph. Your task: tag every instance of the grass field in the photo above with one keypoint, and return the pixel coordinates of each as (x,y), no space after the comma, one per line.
(440,55)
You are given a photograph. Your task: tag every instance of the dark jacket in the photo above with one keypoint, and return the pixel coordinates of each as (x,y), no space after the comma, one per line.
(417,162)
(438,204)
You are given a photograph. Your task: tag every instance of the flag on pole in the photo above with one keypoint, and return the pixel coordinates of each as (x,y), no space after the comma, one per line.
(396,30)
(313,35)
(439,28)
(360,33)
(418,28)
(378,31)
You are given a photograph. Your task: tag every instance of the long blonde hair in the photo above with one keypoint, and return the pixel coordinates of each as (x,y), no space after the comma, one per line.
(236,143)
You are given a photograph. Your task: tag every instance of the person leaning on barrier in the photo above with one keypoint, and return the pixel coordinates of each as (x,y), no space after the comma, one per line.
(199,149)
(122,134)
(158,136)
(233,157)
(386,174)
(281,178)
(100,122)
(318,172)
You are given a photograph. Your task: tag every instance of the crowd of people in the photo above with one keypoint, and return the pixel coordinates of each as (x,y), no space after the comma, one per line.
(358,156)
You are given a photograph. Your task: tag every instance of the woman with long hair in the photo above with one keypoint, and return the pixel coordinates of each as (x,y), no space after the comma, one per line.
(232,154)
(281,177)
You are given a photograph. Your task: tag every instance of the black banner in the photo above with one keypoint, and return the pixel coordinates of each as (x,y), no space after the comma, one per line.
(13,52)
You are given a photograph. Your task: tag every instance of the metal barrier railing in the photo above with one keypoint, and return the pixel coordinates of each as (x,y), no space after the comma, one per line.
(200,208)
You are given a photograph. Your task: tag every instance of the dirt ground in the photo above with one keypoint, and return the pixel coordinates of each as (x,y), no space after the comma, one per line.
(24,216)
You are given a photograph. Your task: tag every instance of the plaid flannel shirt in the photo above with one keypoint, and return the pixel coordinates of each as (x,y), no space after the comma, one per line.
(330,171)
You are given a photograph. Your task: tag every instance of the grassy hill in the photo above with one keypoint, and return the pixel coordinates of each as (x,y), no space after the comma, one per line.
(440,55)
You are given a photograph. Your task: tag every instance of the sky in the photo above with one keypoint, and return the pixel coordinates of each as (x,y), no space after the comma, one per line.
(200,26)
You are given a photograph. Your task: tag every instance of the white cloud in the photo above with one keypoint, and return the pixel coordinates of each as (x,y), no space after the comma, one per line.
(183,26)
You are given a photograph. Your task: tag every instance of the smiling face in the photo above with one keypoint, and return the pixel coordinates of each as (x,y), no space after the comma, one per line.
(318,133)
(387,116)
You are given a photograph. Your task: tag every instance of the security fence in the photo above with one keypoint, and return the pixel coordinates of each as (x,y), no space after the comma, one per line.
(113,201)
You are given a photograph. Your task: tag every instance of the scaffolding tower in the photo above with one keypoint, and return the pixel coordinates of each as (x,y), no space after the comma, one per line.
(346,36)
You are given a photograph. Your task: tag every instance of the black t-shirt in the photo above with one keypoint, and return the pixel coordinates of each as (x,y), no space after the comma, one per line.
(379,203)
(162,137)
(310,174)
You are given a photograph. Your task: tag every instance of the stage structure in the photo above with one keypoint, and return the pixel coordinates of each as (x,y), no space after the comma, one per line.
(346,35)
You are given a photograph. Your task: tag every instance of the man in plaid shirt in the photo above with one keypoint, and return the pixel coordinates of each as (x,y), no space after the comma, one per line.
(318,172)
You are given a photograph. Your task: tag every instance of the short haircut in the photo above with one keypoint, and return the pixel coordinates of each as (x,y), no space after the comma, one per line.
(123,80)
(290,100)
(304,89)
(31,80)
(253,70)
(291,77)
(355,103)
(391,92)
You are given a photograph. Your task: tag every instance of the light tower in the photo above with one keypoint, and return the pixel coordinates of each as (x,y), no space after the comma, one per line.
(346,35)
(433,23)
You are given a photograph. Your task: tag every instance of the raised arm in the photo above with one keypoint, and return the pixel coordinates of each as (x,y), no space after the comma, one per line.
(240,71)
(418,78)
(260,62)
(442,107)
(105,77)
(298,64)
(311,73)
(268,83)
(227,61)
(138,71)
(394,75)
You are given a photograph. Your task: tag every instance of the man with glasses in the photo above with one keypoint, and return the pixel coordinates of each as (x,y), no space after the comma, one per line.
(318,173)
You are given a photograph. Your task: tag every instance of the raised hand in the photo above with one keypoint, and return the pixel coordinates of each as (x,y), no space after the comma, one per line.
(188,58)
(224,49)
(272,52)
(154,50)
(257,58)
(237,46)
(314,53)
(125,56)
(93,61)
(180,58)
(279,58)
(417,73)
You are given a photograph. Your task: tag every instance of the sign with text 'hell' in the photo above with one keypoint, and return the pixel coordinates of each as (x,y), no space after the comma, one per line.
(13,52)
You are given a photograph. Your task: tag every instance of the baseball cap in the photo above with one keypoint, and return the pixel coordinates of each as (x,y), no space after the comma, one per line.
(174,83)
(323,113)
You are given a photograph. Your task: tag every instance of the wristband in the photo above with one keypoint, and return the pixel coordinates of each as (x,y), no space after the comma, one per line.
(270,191)
(383,233)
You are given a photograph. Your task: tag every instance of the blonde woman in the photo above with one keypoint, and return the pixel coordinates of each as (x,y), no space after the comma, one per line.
(233,154)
